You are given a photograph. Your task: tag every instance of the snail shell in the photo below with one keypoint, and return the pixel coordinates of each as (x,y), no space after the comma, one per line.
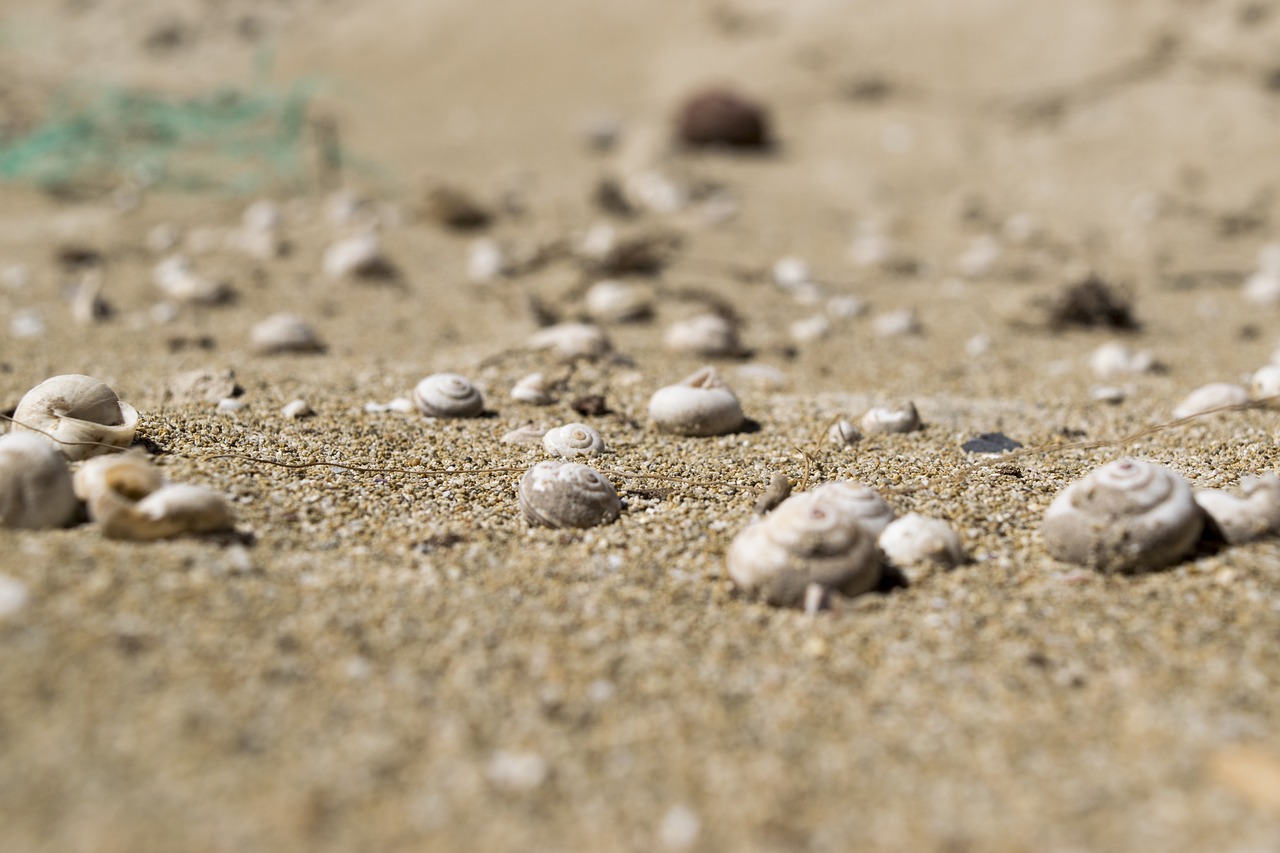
(1265,382)
(704,334)
(572,341)
(700,404)
(613,301)
(889,419)
(448,395)
(904,321)
(1215,395)
(284,333)
(130,499)
(916,540)
(35,484)
(178,280)
(1115,359)
(567,494)
(533,389)
(80,413)
(808,539)
(863,502)
(573,440)
(360,256)
(843,433)
(1244,519)
(1125,516)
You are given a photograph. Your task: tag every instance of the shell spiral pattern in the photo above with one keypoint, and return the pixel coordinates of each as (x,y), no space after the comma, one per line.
(1129,515)
(448,395)
(865,503)
(572,440)
(81,415)
(567,494)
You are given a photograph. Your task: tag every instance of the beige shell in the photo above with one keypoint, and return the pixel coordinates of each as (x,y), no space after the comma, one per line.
(284,333)
(1116,359)
(567,494)
(915,540)
(1256,515)
(863,502)
(359,256)
(573,440)
(704,334)
(808,540)
(1265,382)
(35,484)
(1215,395)
(533,389)
(572,341)
(700,404)
(612,301)
(448,395)
(130,499)
(178,280)
(843,433)
(1126,516)
(892,419)
(80,414)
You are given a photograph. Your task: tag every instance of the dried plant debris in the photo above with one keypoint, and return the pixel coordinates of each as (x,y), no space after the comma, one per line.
(1092,303)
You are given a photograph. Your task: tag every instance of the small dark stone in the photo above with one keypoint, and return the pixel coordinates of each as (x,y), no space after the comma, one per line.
(990,442)
(721,117)
(1092,302)
(455,208)
(592,405)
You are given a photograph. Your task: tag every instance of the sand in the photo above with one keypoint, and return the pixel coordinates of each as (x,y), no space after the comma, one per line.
(395,660)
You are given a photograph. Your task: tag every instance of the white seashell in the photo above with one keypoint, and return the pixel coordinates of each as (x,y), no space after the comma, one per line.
(534,389)
(80,415)
(573,440)
(791,272)
(1212,396)
(13,596)
(915,540)
(567,494)
(613,301)
(528,434)
(810,328)
(35,484)
(889,419)
(177,279)
(26,324)
(1125,516)
(230,405)
(1265,382)
(1244,519)
(894,323)
(703,334)
(1107,394)
(1115,359)
(1263,288)
(700,404)
(359,256)
(486,261)
(572,341)
(298,408)
(808,540)
(448,395)
(284,333)
(863,502)
(130,499)
(843,433)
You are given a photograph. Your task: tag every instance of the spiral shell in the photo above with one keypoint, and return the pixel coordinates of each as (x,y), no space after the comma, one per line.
(700,404)
(891,419)
(129,499)
(1126,516)
(448,395)
(284,333)
(843,433)
(915,540)
(862,502)
(567,494)
(705,335)
(1256,515)
(80,414)
(572,440)
(35,484)
(809,539)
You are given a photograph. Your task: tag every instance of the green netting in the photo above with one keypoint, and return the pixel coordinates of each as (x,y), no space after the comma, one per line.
(229,140)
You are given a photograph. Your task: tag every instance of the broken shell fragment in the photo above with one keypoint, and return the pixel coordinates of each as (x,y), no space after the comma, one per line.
(1206,398)
(891,419)
(82,416)
(1256,515)
(35,484)
(284,333)
(130,499)
(915,540)
(567,494)
(1126,516)
(572,440)
(700,404)
(448,395)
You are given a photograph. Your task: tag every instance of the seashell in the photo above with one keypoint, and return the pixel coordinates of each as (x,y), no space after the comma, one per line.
(1244,519)
(130,499)
(700,404)
(704,334)
(448,395)
(534,389)
(887,419)
(1126,516)
(901,322)
(284,333)
(915,540)
(572,440)
(1215,395)
(1115,359)
(1265,382)
(298,408)
(863,502)
(1107,394)
(177,279)
(87,304)
(486,261)
(612,301)
(567,494)
(843,433)
(791,272)
(528,434)
(359,256)
(810,328)
(572,341)
(35,484)
(808,540)
(82,415)
(1263,287)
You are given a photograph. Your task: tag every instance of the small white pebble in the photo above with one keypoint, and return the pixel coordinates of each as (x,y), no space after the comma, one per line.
(1107,394)
(901,322)
(298,408)
(402,406)
(485,261)
(26,324)
(791,272)
(231,404)
(13,596)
